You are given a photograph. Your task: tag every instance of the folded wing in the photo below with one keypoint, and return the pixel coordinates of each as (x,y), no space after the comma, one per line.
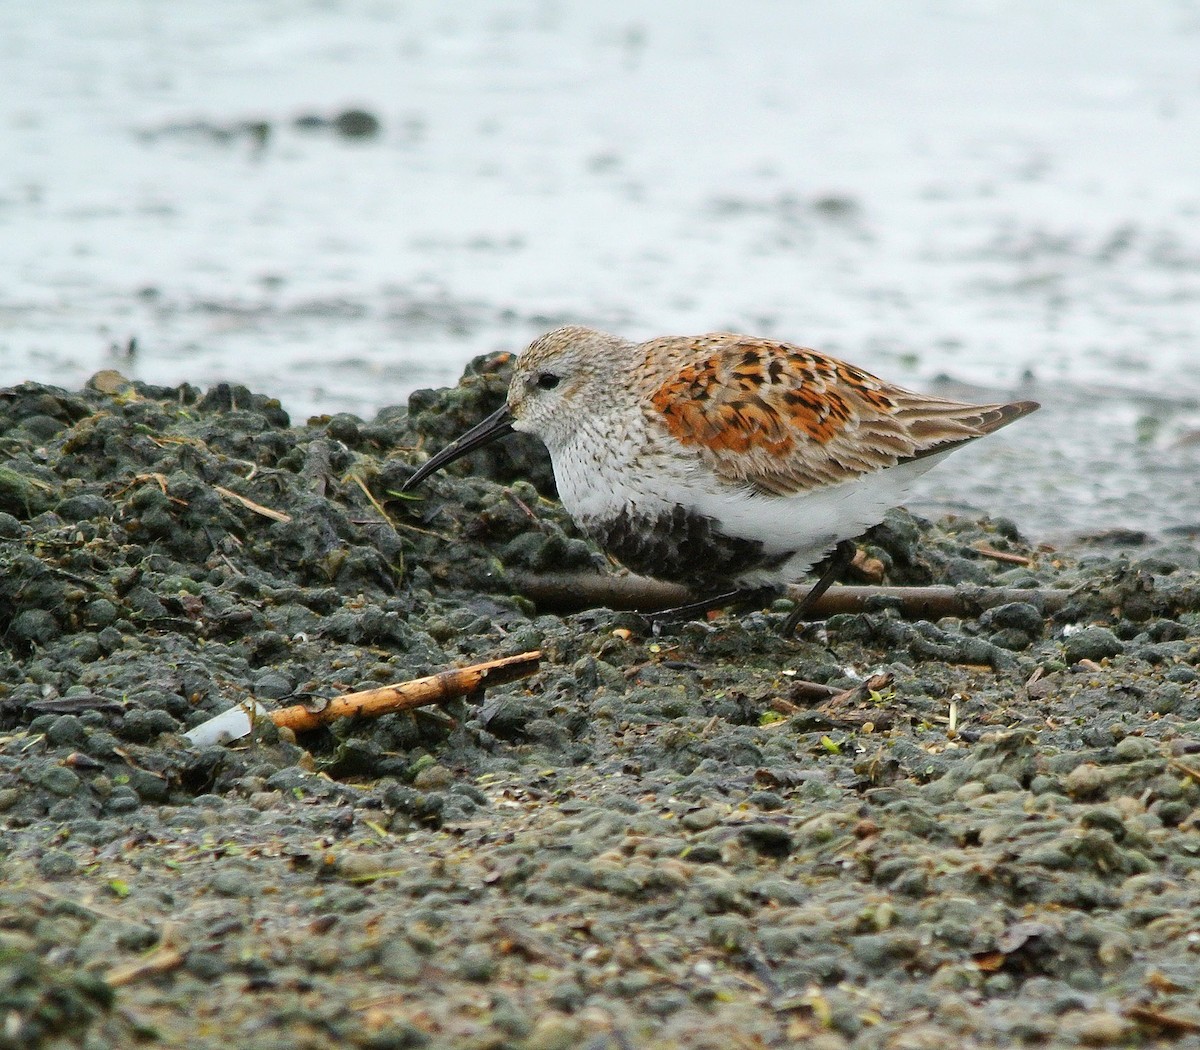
(781,419)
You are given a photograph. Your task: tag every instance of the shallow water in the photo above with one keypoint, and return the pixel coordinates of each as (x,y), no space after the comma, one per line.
(1004,194)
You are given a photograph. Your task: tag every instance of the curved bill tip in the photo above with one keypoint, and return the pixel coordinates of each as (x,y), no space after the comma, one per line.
(497,425)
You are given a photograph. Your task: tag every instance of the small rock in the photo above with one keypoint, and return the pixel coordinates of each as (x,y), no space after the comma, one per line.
(771,840)
(701,819)
(613,880)
(476,964)
(553,1032)
(363,865)
(1134,749)
(768,800)
(123,799)
(1100,1028)
(100,613)
(229,882)
(34,626)
(59,780)
(56,864)
(1168,697)
(1085,781)
(970,791)
(400,961)
(265,800)
(1020,616)
(433,778)
(67,731)
(703,853)
(83,507)
(150,787)
(997,782)
(272,686)
(1092,643)
(356,124)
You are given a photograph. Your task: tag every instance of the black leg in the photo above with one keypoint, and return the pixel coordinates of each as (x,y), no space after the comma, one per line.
(683,613)
(835,565)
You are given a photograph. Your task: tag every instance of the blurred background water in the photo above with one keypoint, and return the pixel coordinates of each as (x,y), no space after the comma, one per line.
(987,197)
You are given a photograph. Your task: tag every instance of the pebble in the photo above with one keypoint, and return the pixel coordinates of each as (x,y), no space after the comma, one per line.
(1097,1028)
(476,964)
(552,1032)
(701,819)
(1091,643)
(432,778)
(1020,616)
(122,799)
(356,866)
(771,840)
(272,686)
(67,731)
(59,780)
(400,962)
(57,864)
(33,627)
(228,882)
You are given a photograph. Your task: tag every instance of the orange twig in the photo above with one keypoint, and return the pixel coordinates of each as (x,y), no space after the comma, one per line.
(436,689)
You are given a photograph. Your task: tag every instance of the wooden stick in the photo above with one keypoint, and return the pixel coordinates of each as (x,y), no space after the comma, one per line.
(810,692)
(1005,556)
(436,689)
(161,961)
(571,592)
(1172,1023)
(238,721)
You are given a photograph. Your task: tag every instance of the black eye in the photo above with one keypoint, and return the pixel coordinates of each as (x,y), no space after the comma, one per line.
(548,381)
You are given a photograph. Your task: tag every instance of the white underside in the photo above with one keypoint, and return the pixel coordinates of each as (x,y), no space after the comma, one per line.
(811,523)
(598,477)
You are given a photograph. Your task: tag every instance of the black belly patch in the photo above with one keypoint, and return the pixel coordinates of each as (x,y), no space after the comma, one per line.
(679,545)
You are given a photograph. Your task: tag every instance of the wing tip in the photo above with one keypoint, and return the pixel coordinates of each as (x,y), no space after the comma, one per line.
(993,417)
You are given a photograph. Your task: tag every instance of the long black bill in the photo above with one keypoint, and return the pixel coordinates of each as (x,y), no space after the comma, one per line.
(497,425)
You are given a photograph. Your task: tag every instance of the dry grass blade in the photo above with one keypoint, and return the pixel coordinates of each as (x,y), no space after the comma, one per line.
(371,498)
(249,504)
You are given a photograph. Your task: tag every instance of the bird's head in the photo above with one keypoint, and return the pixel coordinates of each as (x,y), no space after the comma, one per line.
(564,376)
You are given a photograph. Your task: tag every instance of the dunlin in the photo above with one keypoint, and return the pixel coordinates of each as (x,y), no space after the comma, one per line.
(724,462)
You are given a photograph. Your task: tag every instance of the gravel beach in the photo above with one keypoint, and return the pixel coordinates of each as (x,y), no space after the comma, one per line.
(984,831)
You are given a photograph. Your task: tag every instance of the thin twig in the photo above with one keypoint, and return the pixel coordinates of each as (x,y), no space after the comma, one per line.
(1186,770)
(1171,1023)
(572,592)
(249,504)
(169,955)
(1005,556)
(436,689)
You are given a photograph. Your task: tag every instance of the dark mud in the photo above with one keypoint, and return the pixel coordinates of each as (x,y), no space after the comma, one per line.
(655,842)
